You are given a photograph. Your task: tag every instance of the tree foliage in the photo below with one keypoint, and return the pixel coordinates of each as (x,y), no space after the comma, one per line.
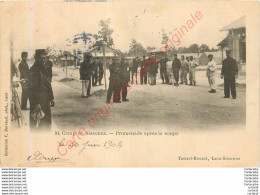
(104,35)
(136,49)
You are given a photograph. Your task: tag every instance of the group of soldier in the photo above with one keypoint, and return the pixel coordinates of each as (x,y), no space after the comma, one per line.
(170,70)
(36,81)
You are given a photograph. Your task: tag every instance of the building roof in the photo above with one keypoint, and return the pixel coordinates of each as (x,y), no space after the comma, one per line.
(239,23)
(223,43)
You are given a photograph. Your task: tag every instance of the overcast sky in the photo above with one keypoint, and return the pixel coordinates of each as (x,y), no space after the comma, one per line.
(51,24)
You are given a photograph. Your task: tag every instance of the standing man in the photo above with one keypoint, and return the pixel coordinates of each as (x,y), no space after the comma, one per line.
(169,71)
(154,68)
(41,94)
(184,70)
(85,75)
(100,70)
(25,76)
(49,66)
(135,67)
(123,75)
(163,71)
(176,65)
(192,68)
(211,72)
(143,72)
(114,82)
(94,73)
(230,73)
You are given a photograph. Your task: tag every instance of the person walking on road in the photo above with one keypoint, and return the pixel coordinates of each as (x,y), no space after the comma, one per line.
(229,72)
(211,72)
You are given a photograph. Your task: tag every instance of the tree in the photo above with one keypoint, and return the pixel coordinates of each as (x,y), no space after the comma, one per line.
(150,48)
(104,35)
(194,48)
(136,49)
(204,48)
(164,37)
(104,38)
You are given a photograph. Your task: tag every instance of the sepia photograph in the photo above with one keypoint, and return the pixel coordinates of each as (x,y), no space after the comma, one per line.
(121,73)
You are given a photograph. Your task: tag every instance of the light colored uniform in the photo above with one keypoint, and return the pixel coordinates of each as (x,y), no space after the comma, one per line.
(192,69)
(210,73)
(170,72)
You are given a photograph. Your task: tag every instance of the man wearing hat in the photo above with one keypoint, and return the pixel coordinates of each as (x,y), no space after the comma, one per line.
(85,75)
(184,70)
(176,65)
(25,76)
(114,87)
(143,72)
(211,72)
(124,79)
(41,96)
(192,71)
(229,72)
(163,72)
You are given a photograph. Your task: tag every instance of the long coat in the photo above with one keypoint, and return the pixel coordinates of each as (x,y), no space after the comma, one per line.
(229,67)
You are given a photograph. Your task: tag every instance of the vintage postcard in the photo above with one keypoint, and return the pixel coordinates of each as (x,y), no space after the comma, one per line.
(129,84)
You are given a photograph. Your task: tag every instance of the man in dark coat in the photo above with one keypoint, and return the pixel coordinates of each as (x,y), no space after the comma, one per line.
(85,75)
(176,65)
(94,73)
(123,75)
(163,72)
(100,70)
(154,69)
(114,82)
(229,72)
(143,72)
(41,94)
(25,76)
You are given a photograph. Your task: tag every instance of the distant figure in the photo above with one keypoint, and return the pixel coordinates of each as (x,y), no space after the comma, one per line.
(184,70)
(189,73)
(134,69)
(176,65)
(100,70)
(85,75)
(41,94)
(94,73)
(154,69)
(230,73)
(143,72)
(169,72)
(49,66)
(192,71)
(24,75)
(211,72)
(163,71)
